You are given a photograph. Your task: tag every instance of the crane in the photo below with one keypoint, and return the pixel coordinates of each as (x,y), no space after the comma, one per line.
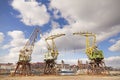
(52,54)
(25,54)
(96,65)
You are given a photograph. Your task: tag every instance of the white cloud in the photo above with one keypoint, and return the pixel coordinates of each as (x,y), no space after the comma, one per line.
(1,37)
(55,25)
(115,47)
(93,16)
(113,61)
(17,42)
(31,13)
(18,39)
(99,11)
(77,42)
(39,50)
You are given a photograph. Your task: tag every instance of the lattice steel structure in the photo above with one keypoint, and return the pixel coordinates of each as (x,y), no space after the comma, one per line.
(23,65)
(51,55)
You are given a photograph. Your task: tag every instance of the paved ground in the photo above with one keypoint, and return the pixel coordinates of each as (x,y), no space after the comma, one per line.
(114,75)
(50,77)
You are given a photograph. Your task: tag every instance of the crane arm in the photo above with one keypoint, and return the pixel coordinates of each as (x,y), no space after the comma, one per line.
(54,36)
(32,38)
(48,46)
(84,34)
(87,35)
(25,53)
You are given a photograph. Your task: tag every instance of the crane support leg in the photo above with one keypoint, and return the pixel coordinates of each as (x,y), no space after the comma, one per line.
(49,66)
(25,68)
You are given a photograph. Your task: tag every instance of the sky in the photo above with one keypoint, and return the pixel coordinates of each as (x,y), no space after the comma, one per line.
(18,18)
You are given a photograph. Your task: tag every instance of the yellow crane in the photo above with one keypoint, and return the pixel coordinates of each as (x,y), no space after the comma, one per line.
(52,54)
(96,65)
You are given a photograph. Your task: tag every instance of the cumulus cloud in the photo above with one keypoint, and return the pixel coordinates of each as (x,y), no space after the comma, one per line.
(115,47)
(40,49)
(103,14)
(16,43)
(32,13)
(1,37)
(18,39)
(100,17)
(69,41)
(113,61)
(89,10)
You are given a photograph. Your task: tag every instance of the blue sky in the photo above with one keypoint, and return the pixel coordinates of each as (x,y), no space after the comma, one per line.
(18,18)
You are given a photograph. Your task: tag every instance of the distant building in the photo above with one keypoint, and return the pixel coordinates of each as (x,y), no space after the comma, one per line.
(7,66)
(38,65)
(67,66)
